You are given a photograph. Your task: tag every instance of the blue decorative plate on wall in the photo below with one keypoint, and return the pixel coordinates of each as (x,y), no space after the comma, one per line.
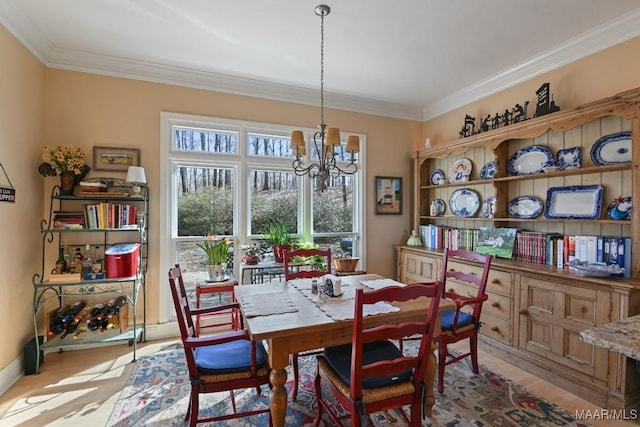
(529,160)
(569,158)
(488,171)
(574,202)
(437,177)
(612,149)
(525,207)
(464,202)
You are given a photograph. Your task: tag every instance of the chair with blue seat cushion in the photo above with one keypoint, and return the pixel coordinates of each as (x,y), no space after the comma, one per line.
(464,321)
(371,374)
(222,362)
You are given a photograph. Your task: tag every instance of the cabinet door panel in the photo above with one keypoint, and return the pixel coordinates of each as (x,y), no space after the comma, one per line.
(419,268)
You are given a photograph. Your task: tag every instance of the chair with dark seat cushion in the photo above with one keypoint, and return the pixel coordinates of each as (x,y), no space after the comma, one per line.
(463,322)
(371,374)
(293,270)
(222,362)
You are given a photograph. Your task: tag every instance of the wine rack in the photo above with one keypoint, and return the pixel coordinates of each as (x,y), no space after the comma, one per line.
(53,291)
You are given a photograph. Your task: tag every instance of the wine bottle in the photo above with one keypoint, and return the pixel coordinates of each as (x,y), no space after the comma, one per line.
(115,308)
(91,320)
(87,262)
(55,324)
(73,311)
(73,325)
(61,264)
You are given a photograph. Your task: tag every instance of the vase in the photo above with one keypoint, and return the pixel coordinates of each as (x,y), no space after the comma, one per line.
(217,271)
(67,182)
(252,259)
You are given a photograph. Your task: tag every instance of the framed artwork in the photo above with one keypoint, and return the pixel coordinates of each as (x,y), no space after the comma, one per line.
(115,159)
(388,195)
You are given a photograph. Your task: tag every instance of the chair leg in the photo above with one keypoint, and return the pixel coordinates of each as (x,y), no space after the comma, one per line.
(233,401)
(442,359)
(473,349)
(194,407)
(296,374)
(318,390)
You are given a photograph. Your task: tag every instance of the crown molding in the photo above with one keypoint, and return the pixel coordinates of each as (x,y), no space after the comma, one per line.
(595,40)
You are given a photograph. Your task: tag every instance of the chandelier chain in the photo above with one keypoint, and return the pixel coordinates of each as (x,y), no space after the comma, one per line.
(322,68)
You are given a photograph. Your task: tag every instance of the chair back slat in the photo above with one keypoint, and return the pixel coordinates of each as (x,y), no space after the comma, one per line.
(393,330)
(293,270)
(479,281)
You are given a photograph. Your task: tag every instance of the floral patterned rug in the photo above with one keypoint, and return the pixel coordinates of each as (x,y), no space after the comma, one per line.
(156,394)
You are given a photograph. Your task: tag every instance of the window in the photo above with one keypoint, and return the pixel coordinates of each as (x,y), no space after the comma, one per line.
(229,178)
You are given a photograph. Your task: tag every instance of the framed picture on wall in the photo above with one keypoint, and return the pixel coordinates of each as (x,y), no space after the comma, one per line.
(115,159)
(388,195)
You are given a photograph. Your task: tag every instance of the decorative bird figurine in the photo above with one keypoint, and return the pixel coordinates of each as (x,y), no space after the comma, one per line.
(620,208)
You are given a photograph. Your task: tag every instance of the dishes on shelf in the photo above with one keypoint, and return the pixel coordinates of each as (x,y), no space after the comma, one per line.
(574,202)
(489,207)
(525,207)
(620,209)
(529,160)
(437,177)
(488,171)
(439,207)
(460,171)
(612,149)
(569,158)
(464,202)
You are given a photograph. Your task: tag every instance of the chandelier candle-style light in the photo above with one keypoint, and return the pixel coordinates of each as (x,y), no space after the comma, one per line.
(326,138)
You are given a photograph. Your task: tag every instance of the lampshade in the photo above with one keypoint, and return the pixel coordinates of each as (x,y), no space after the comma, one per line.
(353,144)
(333,136)
(302,150)
(135,174)
(297,138)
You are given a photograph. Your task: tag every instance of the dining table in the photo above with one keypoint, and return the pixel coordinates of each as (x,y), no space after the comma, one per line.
(290,318)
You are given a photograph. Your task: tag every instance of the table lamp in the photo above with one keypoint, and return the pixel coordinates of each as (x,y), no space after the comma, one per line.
(136,176)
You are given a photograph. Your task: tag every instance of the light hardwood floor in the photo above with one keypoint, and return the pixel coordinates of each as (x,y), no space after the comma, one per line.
(80,387)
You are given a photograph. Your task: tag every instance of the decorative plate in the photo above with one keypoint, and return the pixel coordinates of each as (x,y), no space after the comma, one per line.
(488,171)
(489,207)
(441,206)
(221,279)
(529,160)
(569,158)
(437,177)
(460,171)
(574,202)
(611,149)
(525,207)
(620,208)
(464,202)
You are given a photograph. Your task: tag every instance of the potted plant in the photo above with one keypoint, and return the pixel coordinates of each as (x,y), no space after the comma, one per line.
(252,252)
(68,162)
(216,249)
(278,237)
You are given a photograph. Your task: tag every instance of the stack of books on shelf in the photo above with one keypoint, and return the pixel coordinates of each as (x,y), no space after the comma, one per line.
(68,220)
(110,215)
(553,249)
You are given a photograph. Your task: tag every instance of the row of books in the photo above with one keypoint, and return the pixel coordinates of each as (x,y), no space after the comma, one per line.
(110,215)
(532,247)
(440,237)
(68,219)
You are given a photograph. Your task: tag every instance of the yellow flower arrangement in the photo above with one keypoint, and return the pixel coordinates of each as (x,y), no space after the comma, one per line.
(216,248)
(65,158)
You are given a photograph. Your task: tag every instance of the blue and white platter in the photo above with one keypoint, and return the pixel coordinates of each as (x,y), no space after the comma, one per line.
(525,207)
(437,177)
(488,171)
(460,171)
(489,207)
(529,160)
(612,149)
(441,207)
(569,158)
(574,202)
(464,202)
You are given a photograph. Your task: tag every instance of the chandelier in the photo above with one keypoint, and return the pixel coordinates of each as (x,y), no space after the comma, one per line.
(326,139)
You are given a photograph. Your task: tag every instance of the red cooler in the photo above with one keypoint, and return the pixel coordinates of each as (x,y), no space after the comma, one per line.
(122,260)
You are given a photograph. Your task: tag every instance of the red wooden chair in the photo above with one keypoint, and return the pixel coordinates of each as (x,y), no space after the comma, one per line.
(371,374)
(293,270)
(464,321)
(223,362)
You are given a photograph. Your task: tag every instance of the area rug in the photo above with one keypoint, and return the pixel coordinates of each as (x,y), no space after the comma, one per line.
(156,394)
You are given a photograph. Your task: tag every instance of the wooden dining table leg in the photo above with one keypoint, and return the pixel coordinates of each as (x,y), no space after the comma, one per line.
(278,360)
(432,366)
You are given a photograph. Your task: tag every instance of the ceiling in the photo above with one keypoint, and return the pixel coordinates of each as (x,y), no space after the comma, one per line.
(411,59)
